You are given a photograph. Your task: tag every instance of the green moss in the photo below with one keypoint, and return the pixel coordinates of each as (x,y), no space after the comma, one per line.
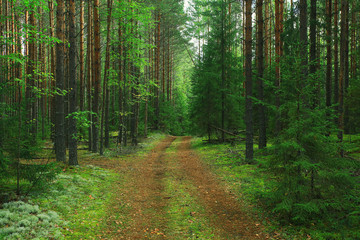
(79,195)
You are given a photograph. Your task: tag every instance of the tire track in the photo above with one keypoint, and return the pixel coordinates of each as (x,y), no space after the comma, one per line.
(145,196)
(224,211)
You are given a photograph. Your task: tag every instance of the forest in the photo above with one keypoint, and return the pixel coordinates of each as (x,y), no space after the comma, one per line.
(179,119)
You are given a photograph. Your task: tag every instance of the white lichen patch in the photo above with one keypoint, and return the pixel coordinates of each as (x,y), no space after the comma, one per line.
(20,220)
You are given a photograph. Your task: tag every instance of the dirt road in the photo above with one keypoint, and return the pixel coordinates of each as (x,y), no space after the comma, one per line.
(143,201)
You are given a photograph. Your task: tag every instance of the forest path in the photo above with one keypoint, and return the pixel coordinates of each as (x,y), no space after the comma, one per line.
(171,194)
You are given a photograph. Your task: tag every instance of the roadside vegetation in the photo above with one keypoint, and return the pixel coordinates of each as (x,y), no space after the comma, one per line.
(252,184)
(73,204)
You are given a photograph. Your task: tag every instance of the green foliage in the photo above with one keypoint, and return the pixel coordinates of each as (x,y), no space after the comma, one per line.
(310,184)
(352,101)
(216,81)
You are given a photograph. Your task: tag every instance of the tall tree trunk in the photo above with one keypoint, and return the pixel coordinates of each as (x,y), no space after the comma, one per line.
(60,149)
(42,82)
(313,53)
(1,80)
(30,97)
(97,76)
(346,70)
(353,41)
(223,70)
(89,56)
(260,61)
(278,29)
(66,73)
(168,67)
(163,44)
(157,69)
(328,54)
(267,33)
(81,58)
(121,79)
(303,40)
(343,70)
(336,58)
(72,86)
(53,70)
(248,84)
(105,106)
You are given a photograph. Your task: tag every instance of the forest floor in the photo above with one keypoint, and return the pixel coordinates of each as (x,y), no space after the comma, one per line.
(165,188)
(171,194)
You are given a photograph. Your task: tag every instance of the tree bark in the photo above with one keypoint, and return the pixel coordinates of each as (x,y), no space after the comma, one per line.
(72,86)
(248,84)
(31,84)
(346,70)
(121,80)
(97,76)
(303,40)
(60,149)
(278,49)
(336,58)
(157,69)
(105,106)
(260,61)
(313,53)
(81,58)
(328,54)
(343,70)
(267,33)
(89,72)
(53,70)
(223,69)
